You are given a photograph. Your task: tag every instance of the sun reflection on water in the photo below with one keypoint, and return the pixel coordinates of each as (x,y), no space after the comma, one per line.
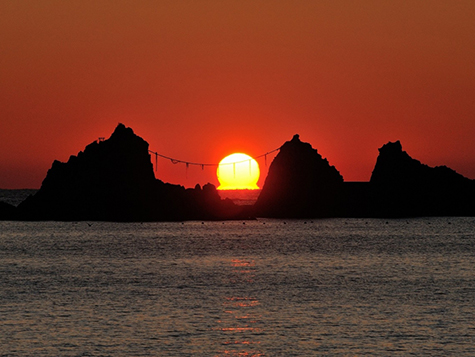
(240,324)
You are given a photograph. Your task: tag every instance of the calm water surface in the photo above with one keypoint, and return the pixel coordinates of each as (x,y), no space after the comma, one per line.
(340,287)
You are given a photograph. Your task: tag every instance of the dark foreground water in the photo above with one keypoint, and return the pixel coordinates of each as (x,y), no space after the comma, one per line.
(340,287)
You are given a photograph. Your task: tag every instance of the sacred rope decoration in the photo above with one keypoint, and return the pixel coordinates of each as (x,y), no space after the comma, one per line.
(190,163)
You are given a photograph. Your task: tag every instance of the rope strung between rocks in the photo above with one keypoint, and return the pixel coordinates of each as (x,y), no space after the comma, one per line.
(188,163)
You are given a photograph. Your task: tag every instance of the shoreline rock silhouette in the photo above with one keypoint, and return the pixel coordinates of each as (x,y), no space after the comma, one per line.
(113,180)
(403,186)
(300,184)
(7,211)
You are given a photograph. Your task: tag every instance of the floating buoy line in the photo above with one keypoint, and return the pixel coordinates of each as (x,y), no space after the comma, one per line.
(203,165)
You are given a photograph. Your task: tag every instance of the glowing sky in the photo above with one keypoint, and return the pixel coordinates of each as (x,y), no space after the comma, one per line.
(202,79)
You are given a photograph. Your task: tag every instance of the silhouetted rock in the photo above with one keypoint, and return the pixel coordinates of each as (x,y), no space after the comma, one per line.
(300,183)
(207,202)
(403,186)
(7,211)
(356,200)
(113,180)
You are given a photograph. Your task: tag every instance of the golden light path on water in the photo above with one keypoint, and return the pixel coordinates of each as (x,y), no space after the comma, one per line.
(267,287)
(241,322)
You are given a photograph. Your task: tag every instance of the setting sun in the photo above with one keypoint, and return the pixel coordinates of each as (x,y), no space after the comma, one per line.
(238,172)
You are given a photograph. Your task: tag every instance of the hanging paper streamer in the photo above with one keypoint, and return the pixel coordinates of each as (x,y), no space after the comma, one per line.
(189,163)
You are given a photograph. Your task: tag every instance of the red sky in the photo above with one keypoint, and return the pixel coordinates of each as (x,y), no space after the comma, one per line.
(202,79)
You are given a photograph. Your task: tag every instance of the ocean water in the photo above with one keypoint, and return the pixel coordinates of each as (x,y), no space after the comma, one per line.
(336,287)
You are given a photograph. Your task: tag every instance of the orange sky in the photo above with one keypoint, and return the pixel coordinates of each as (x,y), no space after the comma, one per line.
(202,79)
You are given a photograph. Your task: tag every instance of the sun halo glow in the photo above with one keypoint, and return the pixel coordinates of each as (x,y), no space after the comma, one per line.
(238,172)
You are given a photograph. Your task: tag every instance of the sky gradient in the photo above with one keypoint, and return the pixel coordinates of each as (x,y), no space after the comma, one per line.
(200,80)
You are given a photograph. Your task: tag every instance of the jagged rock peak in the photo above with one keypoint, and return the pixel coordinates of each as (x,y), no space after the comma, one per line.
(108,180)
(391,148)
(301,156)
(298,153)
(121,131)
(392,152)
(295,148)
(403,186)
(113,180)
(299,183)
(125,136)
(123,155)
(395,166)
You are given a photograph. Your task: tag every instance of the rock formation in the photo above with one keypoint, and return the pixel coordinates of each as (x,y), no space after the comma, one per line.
(7,211)
(403,186)
(113,180)
(300,183)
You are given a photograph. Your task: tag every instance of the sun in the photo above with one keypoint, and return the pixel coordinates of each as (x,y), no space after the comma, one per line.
(238,172)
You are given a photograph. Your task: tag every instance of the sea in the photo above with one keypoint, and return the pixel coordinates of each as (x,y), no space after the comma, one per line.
(266,287)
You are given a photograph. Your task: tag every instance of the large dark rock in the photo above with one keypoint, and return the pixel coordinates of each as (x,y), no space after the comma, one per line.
(300,183)
(113,180)
(7,211)
(403,186)
(109,180)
